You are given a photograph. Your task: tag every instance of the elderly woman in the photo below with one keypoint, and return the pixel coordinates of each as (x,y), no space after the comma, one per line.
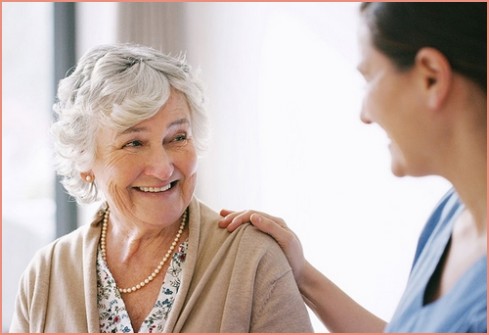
(425,68)
(130,124)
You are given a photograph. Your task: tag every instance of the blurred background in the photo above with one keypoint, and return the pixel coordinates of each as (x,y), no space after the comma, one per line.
(284,101)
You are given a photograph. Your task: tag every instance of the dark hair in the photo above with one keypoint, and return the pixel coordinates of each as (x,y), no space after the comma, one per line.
(458,30)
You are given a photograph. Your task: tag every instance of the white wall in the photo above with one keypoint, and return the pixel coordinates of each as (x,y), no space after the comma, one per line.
(284,105)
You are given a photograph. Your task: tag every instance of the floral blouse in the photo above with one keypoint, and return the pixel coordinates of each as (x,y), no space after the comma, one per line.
(112,311)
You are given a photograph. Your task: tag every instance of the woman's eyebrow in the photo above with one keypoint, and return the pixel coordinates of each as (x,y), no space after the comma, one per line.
(139,129)
(178,122)
(134,129)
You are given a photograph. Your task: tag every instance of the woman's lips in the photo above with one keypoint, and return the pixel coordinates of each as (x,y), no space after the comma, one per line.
(151,189)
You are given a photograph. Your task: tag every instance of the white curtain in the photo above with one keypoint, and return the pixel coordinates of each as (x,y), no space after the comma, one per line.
(159,25)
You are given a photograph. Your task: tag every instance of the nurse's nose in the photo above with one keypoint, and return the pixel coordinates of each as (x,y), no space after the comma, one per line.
(364,115)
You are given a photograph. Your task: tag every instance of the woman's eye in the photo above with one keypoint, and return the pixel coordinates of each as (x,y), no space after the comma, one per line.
(180,138)
(133,144)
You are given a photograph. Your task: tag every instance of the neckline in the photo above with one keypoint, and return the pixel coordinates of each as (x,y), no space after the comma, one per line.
(469,272)
(440,262)
(109,291)
(432,286)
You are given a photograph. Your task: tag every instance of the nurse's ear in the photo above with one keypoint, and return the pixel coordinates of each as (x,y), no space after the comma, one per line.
(436,76)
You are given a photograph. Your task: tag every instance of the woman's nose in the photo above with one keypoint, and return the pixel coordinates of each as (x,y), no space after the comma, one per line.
(160,164)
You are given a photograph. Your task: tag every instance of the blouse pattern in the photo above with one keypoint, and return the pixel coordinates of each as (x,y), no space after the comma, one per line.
(113,316)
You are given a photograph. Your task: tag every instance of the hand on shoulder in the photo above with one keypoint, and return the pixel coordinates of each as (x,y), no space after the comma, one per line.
(273,226)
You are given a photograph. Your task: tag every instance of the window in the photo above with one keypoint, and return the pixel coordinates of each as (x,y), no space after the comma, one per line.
(28,207)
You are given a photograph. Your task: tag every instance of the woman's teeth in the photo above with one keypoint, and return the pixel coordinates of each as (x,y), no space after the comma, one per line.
(155,189)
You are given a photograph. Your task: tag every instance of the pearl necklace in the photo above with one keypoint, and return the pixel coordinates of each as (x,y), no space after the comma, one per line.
(103,248)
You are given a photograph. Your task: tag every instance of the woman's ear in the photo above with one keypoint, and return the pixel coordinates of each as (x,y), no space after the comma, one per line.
(87,176)
(436,75)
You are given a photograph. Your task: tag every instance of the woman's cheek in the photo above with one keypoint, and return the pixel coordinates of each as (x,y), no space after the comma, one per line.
(120,197)
(190,160)
(120,173)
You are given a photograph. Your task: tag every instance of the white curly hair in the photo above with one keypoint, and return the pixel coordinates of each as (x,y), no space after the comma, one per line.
(116,85)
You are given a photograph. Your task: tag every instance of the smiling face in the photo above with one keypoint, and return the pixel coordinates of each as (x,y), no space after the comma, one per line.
(394,101)
(148,172)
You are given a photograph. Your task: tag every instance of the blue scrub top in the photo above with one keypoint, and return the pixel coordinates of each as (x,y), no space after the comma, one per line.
(462,309)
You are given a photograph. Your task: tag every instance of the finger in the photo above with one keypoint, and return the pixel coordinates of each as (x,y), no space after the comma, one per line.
(245,216)
(271,219)
(226,217)
(231,216)
(226,212)
(237,219)
(273,227)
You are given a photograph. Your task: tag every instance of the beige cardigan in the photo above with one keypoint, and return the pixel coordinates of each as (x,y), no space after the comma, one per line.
(238,282)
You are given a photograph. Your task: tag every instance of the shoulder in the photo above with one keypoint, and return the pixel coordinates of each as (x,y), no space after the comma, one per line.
(246,233)
(67,249)
(73,242)
(247,240)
